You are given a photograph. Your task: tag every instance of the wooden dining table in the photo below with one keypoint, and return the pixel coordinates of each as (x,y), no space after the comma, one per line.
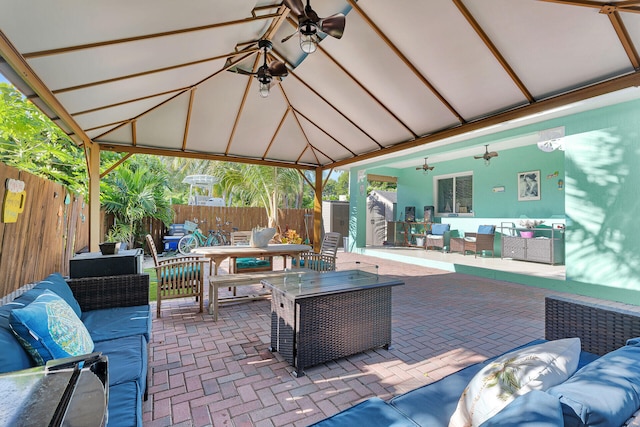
(217,254)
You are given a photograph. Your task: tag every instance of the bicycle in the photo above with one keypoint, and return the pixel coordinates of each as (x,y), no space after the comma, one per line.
(195,238)
(223,236)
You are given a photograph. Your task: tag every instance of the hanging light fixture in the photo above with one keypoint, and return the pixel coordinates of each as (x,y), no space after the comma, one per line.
(310,25)
(264,79)
(309,36)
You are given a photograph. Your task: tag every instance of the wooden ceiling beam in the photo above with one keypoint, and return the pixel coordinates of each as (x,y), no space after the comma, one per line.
(68,49)
(367,91)
(493,49)
(187,122)
(405,60)
(324,131)
(106,146)
(305,84)
(613,85)
(275,135)
(623,35)
(234,129)
(23,69)
(624,6)
(154,71)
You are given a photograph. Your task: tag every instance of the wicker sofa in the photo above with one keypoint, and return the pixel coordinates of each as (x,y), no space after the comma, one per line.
(115,312)
(603,391)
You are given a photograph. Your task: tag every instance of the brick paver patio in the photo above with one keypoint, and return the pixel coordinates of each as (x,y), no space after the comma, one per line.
(207,373)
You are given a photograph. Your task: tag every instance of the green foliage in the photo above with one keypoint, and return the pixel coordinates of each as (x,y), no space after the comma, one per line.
(29,141)
(136,189)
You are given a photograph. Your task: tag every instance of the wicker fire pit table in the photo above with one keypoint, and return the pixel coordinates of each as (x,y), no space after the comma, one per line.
(318,317)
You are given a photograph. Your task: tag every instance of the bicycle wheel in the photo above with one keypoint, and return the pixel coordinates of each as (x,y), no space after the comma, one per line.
(186,243)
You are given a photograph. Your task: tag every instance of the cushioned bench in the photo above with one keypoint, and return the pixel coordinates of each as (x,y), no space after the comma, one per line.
(109,315)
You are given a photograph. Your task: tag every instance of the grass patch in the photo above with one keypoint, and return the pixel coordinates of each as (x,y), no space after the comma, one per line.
(153,283)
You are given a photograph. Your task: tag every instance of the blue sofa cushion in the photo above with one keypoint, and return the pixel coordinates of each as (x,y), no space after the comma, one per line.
(371,413)
(127,359)
(614,378)
(534,409)
(13,356)
(486,229)
(439,229)
(49,329)
(125,405)
(118,322)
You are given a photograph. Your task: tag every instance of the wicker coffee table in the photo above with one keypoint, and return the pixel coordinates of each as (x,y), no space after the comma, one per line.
(318,317)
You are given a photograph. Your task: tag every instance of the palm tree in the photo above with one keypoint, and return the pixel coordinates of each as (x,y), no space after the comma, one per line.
(133,191)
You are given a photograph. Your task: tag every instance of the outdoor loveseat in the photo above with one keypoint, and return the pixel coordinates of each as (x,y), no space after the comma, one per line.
(602,390)
(115,312)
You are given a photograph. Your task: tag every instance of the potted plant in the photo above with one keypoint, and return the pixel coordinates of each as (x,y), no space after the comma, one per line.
(529,224)
(114,239)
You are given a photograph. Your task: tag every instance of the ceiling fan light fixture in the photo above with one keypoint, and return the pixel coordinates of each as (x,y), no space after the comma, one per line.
(309,37)
(263,89)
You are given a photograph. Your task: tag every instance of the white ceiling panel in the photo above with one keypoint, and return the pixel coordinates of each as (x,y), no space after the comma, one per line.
(403,74)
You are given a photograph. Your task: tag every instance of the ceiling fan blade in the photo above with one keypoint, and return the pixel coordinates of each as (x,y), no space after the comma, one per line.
(431,168)
(418,168)
(296,7)
(333,25)
(239,70)
(492,154)
(278,69)
(479,157)
(289,36)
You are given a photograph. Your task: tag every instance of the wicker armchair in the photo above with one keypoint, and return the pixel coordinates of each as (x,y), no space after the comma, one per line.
(178,277)
(480,241)
(325,260)
(438,236)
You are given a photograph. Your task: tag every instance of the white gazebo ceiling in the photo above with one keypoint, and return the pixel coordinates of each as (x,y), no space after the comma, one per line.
(151,75)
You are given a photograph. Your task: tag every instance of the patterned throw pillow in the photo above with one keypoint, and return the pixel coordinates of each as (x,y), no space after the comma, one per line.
(514,374)
(48,328)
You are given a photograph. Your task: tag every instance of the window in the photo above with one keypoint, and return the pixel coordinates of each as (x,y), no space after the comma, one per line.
(454,194)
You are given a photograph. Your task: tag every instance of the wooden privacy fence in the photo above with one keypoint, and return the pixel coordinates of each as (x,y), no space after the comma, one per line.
(242,218)
(52,227)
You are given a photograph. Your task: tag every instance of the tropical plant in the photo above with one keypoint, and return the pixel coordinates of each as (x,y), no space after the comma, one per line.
(133,191)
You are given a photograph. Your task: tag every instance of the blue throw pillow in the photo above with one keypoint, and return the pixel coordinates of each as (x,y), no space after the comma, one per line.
(439,229)
(606,392)
(49,329)
(486,229)
(56,283)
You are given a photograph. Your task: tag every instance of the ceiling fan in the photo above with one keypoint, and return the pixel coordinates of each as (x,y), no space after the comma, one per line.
(266,73)
(309,25)
(487,155)
(425,168)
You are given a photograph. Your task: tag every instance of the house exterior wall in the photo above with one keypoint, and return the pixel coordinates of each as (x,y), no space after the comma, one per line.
(596,192)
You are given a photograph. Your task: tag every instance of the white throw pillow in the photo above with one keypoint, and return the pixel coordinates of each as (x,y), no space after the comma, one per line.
(536,367)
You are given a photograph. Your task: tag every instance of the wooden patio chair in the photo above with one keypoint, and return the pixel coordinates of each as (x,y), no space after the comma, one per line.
(480,241)
(247,265)
(325,260)
(178,277)
(438,236)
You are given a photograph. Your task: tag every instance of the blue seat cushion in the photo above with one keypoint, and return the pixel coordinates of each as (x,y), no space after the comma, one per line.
(371,413)
(127,359)
(487,229)
(251,263)
(179,272)
(118,322)
(125,405)
(534,409)
(439,229)
(614,378)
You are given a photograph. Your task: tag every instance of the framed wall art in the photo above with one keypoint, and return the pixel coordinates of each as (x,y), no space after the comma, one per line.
(528,186)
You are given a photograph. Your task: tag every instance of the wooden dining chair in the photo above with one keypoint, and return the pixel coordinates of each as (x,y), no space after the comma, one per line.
(178,277)
(325,260)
